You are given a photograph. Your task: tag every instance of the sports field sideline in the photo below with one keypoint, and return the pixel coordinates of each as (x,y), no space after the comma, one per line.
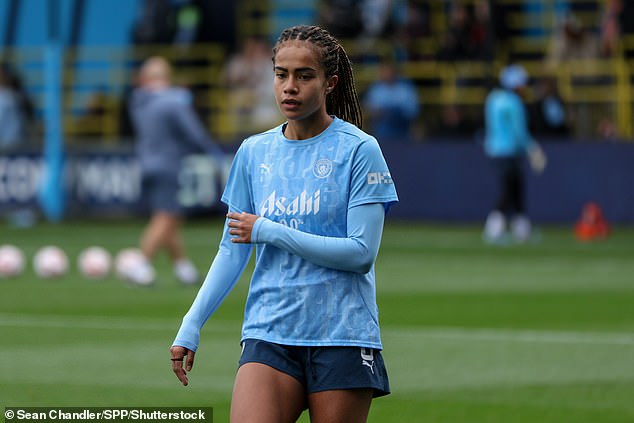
(542,332)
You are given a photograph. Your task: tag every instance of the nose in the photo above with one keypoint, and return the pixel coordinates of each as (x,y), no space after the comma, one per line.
(291,85)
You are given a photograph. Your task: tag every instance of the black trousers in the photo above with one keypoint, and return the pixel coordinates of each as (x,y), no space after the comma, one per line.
(511,184)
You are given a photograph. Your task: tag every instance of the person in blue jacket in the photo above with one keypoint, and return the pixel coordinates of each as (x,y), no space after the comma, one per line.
(167,130)
(310,196)
(507,141)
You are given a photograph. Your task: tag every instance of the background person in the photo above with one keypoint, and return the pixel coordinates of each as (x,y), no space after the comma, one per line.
(167,130)
(549,115)
(392,104)
(311,194)
(249,91)
(507,141)
(13,116)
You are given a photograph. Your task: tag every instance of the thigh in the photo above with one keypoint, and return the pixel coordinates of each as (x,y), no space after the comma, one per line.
(340,406)
(168,222)
(263,394)
(160,192)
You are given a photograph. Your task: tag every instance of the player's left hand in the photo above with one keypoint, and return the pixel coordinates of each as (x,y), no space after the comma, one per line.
(241,225)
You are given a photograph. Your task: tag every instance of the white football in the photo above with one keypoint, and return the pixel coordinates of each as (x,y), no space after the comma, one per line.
(11,261)
(94,262)
(131,265)
(50,262)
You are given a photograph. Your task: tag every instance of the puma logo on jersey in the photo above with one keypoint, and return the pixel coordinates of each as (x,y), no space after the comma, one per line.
(303,204)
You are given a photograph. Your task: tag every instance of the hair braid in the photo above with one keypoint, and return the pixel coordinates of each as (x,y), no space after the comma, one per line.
(343,101)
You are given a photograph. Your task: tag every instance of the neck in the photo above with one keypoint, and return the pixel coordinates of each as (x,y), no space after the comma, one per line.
(307,128)
(156,85)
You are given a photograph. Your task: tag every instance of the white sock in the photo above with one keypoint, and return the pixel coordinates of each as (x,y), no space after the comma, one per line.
(186,272)
(142,274)
(521,228)
(494,226)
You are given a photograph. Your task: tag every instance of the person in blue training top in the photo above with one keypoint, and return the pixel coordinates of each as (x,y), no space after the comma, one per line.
(311,196)
(167,131)
(392,104)
(507,141)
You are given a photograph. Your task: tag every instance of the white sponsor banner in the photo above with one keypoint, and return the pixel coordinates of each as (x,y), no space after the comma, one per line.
(107,180)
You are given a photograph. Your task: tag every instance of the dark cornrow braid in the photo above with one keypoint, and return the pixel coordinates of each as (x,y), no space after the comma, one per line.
(343,101)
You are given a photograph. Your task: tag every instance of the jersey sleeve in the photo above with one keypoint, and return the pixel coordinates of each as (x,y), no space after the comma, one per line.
(371,180)
(354,253)
(237,193)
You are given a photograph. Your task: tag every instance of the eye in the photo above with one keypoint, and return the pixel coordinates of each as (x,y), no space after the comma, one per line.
(305,77)
(280,75)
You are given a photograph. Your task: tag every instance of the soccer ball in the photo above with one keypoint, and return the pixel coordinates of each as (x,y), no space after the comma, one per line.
(11,261)
(50,262)
(94,262)
(131,265)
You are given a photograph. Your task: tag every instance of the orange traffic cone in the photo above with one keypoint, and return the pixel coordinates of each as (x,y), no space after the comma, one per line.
(592,225)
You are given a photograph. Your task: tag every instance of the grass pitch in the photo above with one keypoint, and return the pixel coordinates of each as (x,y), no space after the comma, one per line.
(472,333)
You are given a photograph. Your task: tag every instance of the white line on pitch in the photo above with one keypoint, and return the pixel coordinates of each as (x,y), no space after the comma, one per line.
(515,335)
(474,334)
(106,323)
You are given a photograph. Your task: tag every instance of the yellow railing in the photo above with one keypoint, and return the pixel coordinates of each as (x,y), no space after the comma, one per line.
(96,80)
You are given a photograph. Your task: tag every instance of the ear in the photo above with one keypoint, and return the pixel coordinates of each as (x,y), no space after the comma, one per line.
(331,83)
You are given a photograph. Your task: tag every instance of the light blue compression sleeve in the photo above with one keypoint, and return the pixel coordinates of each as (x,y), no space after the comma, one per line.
(223,274)
(355,253)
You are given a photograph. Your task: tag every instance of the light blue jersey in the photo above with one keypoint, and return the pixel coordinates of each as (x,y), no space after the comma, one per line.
(507,129)
(309,185)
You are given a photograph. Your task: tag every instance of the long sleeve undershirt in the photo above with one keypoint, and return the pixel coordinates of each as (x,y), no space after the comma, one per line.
(354,253)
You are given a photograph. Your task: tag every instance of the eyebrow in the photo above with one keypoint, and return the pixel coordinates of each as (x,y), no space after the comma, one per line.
(306,69)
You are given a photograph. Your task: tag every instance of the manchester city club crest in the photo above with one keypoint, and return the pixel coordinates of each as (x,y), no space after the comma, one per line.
(322,168)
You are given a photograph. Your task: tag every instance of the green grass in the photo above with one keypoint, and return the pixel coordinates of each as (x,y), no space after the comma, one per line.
(472,333)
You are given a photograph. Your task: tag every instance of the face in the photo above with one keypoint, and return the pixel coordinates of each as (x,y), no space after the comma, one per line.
(300,83)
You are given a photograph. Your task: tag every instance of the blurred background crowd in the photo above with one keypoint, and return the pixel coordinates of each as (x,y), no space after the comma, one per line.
(423,67)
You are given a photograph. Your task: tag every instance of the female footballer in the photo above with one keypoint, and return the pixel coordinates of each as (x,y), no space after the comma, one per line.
(311,195)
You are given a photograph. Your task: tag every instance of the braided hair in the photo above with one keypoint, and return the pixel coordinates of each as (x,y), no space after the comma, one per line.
(343,101)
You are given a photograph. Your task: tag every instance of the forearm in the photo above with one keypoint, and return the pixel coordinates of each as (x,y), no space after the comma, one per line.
(354,253)
(223,274)
(193,130)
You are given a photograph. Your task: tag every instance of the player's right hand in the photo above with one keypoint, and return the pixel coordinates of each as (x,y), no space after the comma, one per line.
(241,226)
(180,356)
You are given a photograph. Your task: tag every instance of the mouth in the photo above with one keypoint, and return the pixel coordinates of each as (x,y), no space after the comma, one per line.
(290,102)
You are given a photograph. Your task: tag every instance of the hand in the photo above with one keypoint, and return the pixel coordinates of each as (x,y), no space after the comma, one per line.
(537,159)
(241,225)
(180,355)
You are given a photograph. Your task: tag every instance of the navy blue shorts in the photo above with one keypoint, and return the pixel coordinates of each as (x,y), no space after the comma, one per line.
(160,193)
(322,368)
